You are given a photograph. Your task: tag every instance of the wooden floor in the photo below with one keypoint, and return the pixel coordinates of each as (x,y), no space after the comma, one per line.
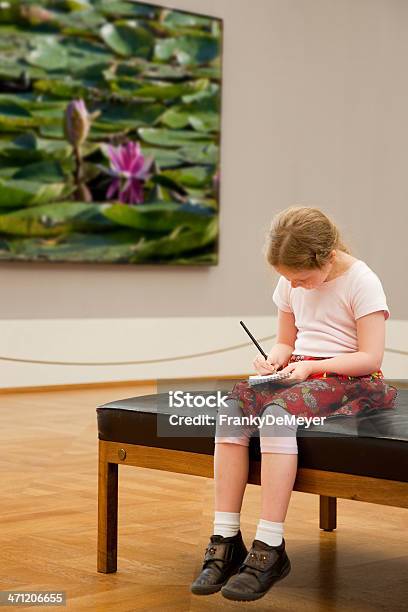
(48,525)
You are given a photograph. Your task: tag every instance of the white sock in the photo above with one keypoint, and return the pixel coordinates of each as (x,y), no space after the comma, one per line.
(226,524)
(269,532)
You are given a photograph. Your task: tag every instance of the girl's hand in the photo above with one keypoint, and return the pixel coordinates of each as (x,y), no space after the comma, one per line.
(300,371)
(263,366)
(278,357)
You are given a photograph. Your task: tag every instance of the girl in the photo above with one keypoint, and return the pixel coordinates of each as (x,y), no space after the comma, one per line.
(330,337)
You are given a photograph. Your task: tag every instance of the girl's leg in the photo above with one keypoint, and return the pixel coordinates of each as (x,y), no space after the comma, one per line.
(267,561)
(279,462)
(278,473)
(231,463)
(230,475)
(226,550)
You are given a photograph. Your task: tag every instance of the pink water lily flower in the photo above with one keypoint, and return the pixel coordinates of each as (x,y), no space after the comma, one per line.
(129,168)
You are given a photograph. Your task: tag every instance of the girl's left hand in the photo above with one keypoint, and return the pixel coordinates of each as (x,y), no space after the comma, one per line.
(300,371)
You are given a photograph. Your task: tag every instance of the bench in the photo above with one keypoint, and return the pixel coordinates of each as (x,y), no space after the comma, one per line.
(363,458)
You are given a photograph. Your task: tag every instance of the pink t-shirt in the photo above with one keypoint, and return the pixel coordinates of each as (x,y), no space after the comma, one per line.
(326,316)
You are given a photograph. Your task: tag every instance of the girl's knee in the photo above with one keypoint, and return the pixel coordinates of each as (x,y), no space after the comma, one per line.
(280,419)
(229,426)
(242,441)
(278,433)
(283,445)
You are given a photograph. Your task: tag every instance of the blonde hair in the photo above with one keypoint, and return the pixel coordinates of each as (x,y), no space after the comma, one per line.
(301,237)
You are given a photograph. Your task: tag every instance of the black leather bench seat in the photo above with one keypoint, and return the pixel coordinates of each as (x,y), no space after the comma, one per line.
(374,444)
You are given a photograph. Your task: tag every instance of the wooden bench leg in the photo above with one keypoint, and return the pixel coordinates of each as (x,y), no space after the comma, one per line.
(328,513)
(107,514)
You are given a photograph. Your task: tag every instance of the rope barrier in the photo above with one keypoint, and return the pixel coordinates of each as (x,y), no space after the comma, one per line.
(150,361)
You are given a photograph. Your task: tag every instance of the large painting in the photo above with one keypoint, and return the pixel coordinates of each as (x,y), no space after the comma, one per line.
(109,133)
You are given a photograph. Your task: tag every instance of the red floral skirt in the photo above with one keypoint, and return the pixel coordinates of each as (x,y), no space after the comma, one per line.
(321,394)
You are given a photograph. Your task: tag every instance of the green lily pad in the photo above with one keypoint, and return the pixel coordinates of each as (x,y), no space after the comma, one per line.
(178,118)
(24,148)
(211,92)
(87,51)
(175,119)
(26,141)
(48,54)
(197,198)
(127,40)
(200,153)
(177,18)
(171,138)
(78,5)
(115,8)
(12,109)
(93,72)
(188,50)
(165,158)
(27,147)
(87,59)
(49,108)
(12,68)
(159,216)
(180,240)
(165,71)
(7,172)
(191,177)
(163,90)
(210,72)
(115,117)
(41,172)
(111,247)
(30,193)
(54,219)
(65,89)
(17,124)
(14,115)
(76,24)
(205,122)
(204,110)
(52,131)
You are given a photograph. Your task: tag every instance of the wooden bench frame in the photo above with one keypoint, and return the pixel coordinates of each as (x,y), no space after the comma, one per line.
(328,485)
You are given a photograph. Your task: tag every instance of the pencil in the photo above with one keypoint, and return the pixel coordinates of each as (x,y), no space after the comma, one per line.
(253,340)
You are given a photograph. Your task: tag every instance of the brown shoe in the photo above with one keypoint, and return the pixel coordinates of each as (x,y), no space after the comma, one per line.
(263,566)
(222,558)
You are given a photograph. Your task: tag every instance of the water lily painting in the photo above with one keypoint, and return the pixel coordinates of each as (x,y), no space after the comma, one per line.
(109,133)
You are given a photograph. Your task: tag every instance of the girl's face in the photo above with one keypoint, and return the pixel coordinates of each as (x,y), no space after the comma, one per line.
(308,279)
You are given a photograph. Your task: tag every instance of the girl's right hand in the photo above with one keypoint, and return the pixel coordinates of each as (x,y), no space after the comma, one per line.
(262,366)
(279,356)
